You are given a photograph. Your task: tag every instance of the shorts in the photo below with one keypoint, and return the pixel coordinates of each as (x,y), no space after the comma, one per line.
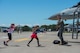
(34,35)
(9,36)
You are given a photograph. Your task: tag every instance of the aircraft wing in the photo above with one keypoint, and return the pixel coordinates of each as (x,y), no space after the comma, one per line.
(67,14)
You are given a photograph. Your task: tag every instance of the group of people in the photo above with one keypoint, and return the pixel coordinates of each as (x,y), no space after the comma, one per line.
(35,30)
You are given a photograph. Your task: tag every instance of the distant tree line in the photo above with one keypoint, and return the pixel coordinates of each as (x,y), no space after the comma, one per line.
(51,27)
(46,27)
(27,28)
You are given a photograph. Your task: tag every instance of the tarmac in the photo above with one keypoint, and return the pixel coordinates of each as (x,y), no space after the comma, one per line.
(20,40)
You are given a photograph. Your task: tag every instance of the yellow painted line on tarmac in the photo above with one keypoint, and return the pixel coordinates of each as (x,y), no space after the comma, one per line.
(22,39)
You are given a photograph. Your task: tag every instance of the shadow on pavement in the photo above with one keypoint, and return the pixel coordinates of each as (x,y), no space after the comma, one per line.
(14,45)
(67,45)
(2,47)
(40,46)
(73,42)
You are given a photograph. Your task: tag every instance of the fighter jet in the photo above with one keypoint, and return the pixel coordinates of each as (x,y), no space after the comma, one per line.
(69,13)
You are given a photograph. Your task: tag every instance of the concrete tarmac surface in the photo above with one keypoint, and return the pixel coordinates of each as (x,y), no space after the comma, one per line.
(19,43)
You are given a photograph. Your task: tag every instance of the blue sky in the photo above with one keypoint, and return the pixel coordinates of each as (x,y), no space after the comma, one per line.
(32,12)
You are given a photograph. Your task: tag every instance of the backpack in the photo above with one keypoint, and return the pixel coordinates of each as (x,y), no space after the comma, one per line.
(56,42)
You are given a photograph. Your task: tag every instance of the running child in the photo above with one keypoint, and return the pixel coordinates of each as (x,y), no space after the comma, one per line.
(9,33)
(35,30)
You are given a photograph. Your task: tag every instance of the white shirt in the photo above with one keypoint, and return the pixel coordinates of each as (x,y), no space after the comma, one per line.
(10,30)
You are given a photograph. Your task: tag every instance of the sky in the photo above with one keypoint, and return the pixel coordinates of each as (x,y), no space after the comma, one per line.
(32,12)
